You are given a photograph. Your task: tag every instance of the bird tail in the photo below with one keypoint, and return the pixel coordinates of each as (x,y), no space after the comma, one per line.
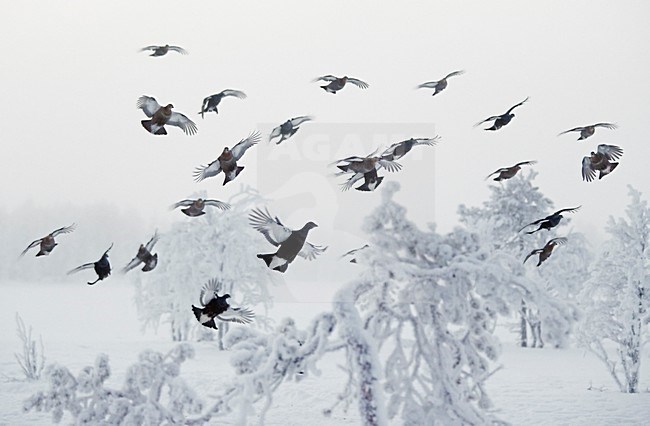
(228,177)
(268,258)
(328,90)
(147,125)
(607,171)
(197,312)
(365,186)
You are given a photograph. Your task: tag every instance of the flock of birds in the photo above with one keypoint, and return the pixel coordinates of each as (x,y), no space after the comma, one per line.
(292,243)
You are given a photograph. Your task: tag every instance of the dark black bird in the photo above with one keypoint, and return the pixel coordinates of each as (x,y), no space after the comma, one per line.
(509,172)
(215,306)
(588,131)
(211,102)
(144,256)
(550,221)
(439,85)
(102,267)
(288,128)
(501,120)
(400,149)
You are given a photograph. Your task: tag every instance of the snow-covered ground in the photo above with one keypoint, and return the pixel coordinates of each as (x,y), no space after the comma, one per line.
(77,322)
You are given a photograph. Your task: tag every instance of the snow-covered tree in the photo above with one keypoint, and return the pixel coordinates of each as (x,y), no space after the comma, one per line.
(543,295)
(416,334)
(616,299)
(219,244)
(152,394)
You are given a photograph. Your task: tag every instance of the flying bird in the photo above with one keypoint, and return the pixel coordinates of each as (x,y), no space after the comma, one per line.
(365,168)
(508,172)
(160,116)
(545,252)
(215,306)
(441,84)
(102,267)
(288,128)
(550,221)
(144,256)
(227,161)
(588,131)
(195,208)
(47,243)
(162,50)
(501,120)
(211,102)
(337,83)
(352,253)
(601,161)
(371,181)
(291,243)
(400,149)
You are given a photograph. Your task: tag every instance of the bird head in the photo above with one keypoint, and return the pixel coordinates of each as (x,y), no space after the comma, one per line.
(310,225)
(226,296)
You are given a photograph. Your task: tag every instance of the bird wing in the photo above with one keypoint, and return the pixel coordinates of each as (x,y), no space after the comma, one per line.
(356,177)
(391,166)
(427,141)
(494,117)
(239,149)
(297,121)
(178,49)
(272,229)
(569,210)
(148,104)
(132,264)
(575,129)
(64,230)
(358,83)
(152,242)
(533,223)
(428,85)
(204,172)
(557,241)
(218,204)
(149,48)
(310,251)
(275,132)
(31,245)
(239,315)
(209,291)
(526,163)
(588,173)
(182,203)
(353,251)
(532,253)
(515,106)
(180,120)
(236,93)
(328,77)
(611,126)
(107,250)
(503,169)
(611,152)
(82,267)
(352,159)
(455,73)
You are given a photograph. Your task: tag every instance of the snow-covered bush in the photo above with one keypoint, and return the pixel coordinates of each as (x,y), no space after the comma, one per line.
(616,299)
(417,336)
(153,393)
(218,244)
(545,296)
(32,359)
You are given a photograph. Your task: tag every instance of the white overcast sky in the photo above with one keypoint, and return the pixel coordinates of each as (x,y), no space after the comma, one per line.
(72,73)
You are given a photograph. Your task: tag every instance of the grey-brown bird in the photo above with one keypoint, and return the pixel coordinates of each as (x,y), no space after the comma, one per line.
(337,83)
(162,50)
(161,116)
(601,161)
(509,172)
(144,256)
(195,208)
(439,85)
(102,267)
(211,102)
(291,243)
(47,243)
(587,131)
(545,252)
(288,128)
(227,161)
(503,119)
(400,149)
(352,254)
(214,306)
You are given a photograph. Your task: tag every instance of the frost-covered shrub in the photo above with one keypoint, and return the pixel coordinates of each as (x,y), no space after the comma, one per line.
(153,393)
(32,359)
